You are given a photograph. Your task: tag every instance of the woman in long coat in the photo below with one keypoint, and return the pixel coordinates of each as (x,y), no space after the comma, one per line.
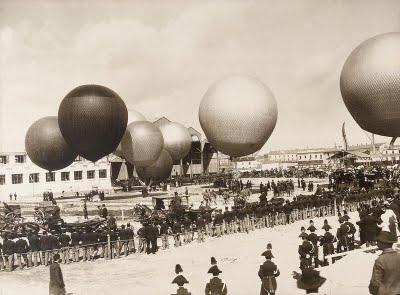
(267,273)
(56,285)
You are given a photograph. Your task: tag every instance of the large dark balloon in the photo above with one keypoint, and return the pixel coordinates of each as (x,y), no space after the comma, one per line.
(158,171)
(177,140)
(238,115)
(92,119)
(142,143)
(370,84)
(46,147)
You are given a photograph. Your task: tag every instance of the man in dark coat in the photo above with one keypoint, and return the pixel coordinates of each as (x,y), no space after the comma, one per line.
(215,286)
(21,249)
(34,248)
(56,285)
(92,241)
(267,273)
(45,248)
(151,234)
(386,272)
(313,238)
(306,249)
(104,211)
(130,234)
(8,252)
(65,247)
(371,229)
(75,239)
(326,242)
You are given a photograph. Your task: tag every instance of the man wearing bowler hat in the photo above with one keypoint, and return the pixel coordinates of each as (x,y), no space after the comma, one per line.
(385,278)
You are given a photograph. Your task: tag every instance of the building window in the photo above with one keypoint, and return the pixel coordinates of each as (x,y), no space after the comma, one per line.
(90,174)
(50,176)
(16,178)
(20,159)
(78,175)
(320,156)
(33,177)
(64,176)
(102,173)
(2,179)
(3,159)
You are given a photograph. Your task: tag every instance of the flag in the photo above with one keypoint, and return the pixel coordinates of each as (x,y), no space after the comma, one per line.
(344,137)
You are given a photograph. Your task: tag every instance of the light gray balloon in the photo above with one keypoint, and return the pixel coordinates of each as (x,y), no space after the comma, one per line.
(370,84)
(142,143)
(238,114)
(177,140)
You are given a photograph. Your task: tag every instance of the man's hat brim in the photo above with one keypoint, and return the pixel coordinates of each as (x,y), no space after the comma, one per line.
(214,270)
(310,286)
(386,237)
(268,254)
(180,280)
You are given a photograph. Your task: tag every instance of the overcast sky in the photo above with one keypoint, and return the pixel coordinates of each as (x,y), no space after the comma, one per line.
(161,56)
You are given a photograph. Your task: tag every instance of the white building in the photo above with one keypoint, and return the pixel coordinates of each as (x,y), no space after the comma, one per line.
(19,175)
(285,156)
(249,165)
(316,157)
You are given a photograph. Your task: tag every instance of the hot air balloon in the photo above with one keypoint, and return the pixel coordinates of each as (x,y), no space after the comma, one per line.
(370,84)
(142,143)
(133,116)
(92,119)
(238,115)
(177,140)
(158,171)
(46,147)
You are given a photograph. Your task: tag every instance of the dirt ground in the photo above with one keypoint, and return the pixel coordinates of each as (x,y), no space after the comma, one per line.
(238,256)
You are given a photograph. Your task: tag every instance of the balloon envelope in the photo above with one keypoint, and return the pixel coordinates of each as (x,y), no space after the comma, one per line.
(177,140)
(133,116)
(142,143)
(46,147)
(370,84)
(92,119)
(238,115)
(158,171)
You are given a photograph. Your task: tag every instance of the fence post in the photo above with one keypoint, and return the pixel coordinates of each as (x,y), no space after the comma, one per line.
(109,246)
(122,215)
(335,208)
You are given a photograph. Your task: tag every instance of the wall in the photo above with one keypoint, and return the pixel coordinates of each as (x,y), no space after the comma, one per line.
(70,187)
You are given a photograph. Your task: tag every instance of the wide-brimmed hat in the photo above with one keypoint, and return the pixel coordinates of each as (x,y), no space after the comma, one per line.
(386,237)
(312,228)
(303,235)
(310,279)
(214,270)
(267,254)
(180,280)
